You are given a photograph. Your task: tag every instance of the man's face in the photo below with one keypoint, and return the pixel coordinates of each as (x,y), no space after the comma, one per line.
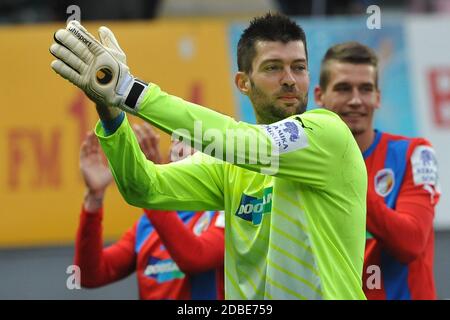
(279,81)
(352,94)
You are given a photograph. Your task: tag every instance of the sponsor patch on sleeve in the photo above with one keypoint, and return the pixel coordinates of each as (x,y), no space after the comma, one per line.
(287,135)
(424,166)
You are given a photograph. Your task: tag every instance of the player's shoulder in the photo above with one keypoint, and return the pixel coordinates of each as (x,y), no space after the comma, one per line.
(413,142)
(321,114)
(320,118)
(326,126)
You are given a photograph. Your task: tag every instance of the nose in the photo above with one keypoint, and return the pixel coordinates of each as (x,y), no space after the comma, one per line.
(355,98)
(288,78)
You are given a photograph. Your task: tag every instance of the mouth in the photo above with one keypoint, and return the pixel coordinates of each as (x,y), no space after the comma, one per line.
(288,98)
(353,114)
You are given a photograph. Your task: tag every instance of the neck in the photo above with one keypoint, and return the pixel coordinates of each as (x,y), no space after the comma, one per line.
(260,120)
(365,139)
(265,119)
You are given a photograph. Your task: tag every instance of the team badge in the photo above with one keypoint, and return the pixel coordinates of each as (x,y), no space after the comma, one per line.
(220,220)
(202,223)
(384,182)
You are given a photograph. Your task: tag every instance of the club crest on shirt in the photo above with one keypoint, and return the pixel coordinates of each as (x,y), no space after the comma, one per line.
(202,223)
(220,220)
(384,181)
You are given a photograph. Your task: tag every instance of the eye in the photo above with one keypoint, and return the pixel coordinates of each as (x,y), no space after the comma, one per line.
(272,67)
(342,88)
(367,88)
(299,68)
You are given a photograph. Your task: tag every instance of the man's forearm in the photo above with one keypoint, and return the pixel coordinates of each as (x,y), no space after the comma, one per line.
(93,201)
(106,113)
(110,117)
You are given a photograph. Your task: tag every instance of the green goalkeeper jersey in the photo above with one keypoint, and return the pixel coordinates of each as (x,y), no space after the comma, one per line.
(295,215)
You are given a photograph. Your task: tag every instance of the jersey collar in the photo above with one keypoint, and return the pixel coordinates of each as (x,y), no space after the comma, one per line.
(374,144)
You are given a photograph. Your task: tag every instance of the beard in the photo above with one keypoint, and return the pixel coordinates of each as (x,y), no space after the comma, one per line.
(266,108)
(356,131)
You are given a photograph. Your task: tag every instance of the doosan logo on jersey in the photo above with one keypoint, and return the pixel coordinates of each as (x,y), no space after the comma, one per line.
(252,208)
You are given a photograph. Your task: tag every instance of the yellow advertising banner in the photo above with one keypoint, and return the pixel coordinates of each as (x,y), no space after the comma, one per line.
(45,118)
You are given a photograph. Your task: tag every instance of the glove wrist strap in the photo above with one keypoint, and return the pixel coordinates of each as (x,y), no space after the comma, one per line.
(136,93)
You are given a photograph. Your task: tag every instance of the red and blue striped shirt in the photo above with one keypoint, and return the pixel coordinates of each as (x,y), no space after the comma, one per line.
(402,193)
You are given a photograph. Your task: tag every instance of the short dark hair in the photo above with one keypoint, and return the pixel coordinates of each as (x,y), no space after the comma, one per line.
(270,27)
(350,52)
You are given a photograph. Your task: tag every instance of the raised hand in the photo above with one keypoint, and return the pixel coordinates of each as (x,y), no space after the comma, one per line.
(94,169)
(148,141)
(99,69)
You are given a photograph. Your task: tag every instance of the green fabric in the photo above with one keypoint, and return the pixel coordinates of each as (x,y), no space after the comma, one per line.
(296,234)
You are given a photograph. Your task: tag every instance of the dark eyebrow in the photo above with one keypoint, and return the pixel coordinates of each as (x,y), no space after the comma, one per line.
(346,83)
(342,83)
(279,60)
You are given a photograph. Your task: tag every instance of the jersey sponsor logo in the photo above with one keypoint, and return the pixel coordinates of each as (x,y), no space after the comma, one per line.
(424,166)
(202,223)
(163,270)
(252,209)
(292,130)
(287,135)
(384,181)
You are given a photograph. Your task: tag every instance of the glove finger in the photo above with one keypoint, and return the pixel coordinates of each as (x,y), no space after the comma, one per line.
(77,25)
(72,43)
(66,72)
(62,53)
(83,36)
(108,39)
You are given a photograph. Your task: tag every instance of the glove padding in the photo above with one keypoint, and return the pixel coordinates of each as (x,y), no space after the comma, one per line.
(98,69)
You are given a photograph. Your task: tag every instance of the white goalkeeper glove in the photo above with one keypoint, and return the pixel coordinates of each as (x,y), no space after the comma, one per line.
(98,69)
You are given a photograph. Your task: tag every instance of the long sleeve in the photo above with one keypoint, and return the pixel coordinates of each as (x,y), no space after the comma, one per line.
(181,185)
(307,148)
(100,266)
(405,230)
(192,253)
(303,148)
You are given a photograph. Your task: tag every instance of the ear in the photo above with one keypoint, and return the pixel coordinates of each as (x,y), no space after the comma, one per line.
(242,82)
(318,96)
(378,101)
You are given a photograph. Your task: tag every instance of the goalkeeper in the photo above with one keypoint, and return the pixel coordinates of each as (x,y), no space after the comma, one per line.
(294,191)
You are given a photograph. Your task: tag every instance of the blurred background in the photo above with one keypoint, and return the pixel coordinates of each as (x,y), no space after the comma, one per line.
(188,47)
